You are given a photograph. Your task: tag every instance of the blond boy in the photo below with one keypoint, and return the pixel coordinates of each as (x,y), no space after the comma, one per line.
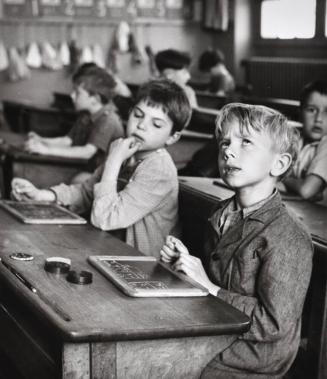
(257,257)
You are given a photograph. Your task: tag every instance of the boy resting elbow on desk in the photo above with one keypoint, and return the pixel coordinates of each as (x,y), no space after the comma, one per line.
(309,175)
(145,203)
(256,256)
(96,127)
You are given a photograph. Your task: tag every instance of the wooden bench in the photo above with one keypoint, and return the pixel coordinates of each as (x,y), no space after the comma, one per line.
(195,208)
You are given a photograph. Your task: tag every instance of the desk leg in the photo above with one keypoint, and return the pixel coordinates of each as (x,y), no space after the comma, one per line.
(76,361)
(154,359)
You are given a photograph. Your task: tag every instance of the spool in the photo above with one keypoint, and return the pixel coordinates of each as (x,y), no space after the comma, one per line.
(80,277)
(57,265)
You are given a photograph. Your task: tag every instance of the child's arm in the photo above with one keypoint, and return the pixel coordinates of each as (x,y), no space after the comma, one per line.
(309,188)
(23,190)
(55,141)
(105,193)
(84,152)
(176,253)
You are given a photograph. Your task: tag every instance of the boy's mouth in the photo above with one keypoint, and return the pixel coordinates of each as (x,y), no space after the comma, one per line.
(231,170)
(138,138)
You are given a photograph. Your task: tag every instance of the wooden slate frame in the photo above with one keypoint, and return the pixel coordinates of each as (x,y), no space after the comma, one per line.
(57,214)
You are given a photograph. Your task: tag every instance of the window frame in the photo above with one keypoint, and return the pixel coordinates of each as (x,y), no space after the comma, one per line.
(319,38)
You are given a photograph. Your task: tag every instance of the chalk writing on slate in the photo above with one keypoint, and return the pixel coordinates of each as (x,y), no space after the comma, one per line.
(143,276)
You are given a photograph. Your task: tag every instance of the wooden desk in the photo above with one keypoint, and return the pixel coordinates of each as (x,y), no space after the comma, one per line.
(110,335)
(41,170)
(25,116)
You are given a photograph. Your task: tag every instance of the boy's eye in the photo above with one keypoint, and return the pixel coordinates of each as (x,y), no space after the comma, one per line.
(157,124)
(246,142)
(137,113)
(310,109)
(223,143)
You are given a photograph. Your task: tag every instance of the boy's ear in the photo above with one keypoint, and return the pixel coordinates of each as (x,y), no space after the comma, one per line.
(281,164)
(173,138)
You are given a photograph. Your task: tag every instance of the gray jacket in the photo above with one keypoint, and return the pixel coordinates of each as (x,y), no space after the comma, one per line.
(263,265)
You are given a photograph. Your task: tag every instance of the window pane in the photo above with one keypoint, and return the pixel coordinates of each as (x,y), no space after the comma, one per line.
(287,19)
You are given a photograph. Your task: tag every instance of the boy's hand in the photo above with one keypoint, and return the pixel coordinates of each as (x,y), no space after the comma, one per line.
(35,145)
(24,190)
(172,250)
(33,135)
(122,149)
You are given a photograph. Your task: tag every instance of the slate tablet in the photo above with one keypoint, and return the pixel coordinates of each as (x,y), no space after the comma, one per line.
(41,213)
(144,276)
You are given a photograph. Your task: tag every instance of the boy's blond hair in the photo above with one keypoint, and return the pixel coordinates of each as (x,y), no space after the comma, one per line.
(285,138)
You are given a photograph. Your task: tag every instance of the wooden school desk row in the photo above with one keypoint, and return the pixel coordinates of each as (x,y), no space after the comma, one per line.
(52,328)
(42,170)
(198,197)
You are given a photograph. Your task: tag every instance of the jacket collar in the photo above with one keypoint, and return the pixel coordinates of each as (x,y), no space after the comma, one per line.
(261,215)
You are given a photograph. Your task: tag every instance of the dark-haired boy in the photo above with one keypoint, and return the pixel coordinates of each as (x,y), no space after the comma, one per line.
(146,204)
(174,65)
(309,175)
(98,123)
(221,81)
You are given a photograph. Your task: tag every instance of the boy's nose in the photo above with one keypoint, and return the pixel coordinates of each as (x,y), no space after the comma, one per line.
(228,153)
(319,115)
(141,125)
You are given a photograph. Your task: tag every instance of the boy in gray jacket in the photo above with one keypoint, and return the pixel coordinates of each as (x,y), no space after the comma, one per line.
(257,257)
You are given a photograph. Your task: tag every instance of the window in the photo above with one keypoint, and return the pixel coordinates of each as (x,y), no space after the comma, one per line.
(287,19)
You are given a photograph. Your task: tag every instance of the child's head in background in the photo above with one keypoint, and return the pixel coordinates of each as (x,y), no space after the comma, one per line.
(174,65)
(94,87)
(313,105)
(256,147)
(161,112)
(209,59)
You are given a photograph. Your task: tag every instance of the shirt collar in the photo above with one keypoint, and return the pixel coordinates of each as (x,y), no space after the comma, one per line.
(257,211)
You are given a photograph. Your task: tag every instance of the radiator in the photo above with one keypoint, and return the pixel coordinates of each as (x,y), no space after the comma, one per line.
(282,77)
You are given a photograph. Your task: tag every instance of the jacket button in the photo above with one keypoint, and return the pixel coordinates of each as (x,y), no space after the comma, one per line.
(215,257)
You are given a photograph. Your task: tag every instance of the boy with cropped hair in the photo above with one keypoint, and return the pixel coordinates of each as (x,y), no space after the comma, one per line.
(145,202)
(174,65)
(221,82)
(309,176)
(257,257)
(96,127)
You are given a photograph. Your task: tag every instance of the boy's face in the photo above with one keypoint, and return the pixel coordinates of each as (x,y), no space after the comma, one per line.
(246,159)
(314,117)
(81,98)
(150,126)
(180,77)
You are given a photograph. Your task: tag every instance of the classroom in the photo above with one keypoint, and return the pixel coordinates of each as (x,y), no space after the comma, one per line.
(163,189)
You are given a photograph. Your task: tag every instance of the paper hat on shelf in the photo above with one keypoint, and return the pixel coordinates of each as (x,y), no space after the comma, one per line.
(17,68)
(64,54)
(86,55)
(33,57)
(49,57)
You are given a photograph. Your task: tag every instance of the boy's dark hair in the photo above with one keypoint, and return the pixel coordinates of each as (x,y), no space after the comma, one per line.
(170,97)
(82,70)
(285,138)
(96,81)
(319,86)
(209,59)
(171,58)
